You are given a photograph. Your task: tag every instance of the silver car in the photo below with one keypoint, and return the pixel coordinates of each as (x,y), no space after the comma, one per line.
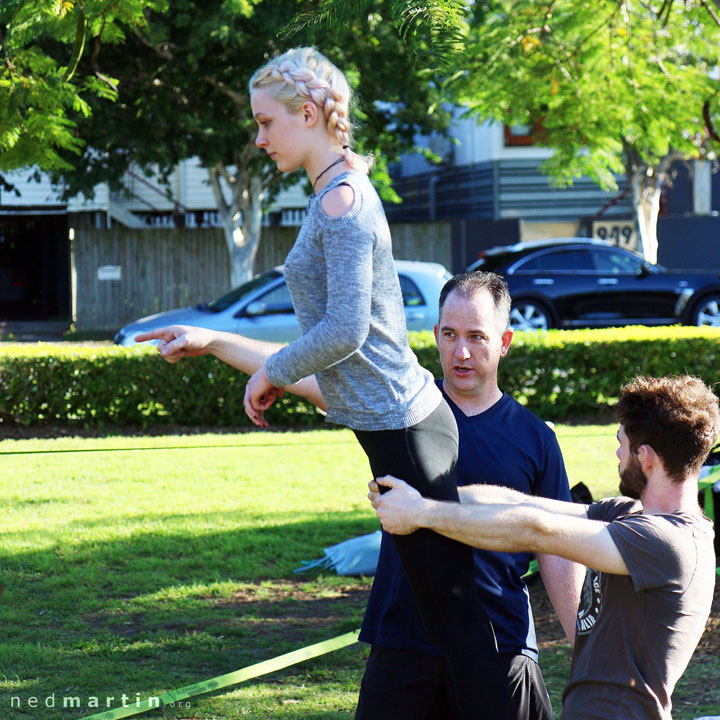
(262,309)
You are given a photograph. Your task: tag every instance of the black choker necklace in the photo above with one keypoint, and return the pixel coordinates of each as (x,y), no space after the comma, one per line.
(331,165)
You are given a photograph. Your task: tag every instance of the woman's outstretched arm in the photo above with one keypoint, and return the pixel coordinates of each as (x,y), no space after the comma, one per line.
(245,354)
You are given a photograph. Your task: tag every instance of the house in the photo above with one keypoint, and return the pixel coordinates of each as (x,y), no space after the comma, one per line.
(39,268)
(490,186)
(488,190)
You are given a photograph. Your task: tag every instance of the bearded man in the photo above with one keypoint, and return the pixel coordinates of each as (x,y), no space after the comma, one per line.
(649,554)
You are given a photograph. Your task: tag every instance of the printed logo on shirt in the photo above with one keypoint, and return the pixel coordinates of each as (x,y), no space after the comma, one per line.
(590,603)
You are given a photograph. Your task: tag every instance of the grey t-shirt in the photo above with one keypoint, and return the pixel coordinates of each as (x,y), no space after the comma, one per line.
(636,633)
(347,299)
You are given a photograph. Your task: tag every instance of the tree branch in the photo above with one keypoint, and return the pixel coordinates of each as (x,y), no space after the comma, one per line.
(709,126)
(712,13)
(548,15)
(94,62)
(8,62)
(239,98)
(214,175)
(222,171)
(271,179)
(78,47)
(246,155)
(163,50)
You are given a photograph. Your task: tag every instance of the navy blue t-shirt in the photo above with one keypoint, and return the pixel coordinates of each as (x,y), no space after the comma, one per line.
(505,445)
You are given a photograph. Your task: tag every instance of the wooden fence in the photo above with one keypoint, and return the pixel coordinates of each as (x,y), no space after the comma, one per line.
(122,274)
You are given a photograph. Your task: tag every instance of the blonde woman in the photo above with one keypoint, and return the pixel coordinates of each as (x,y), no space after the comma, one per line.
(348,303)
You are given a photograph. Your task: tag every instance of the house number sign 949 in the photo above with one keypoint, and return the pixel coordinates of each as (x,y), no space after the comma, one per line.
(618,232)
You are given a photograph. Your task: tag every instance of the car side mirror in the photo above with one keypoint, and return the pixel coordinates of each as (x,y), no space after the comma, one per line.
(644,269)
(254,309)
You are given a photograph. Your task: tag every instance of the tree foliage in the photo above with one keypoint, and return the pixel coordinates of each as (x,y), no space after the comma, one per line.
(626,86)
(41,44)
(182,93)
(434,31)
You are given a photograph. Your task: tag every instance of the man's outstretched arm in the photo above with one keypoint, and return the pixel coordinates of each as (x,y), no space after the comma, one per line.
(247,355)
(500,495)
(502,526)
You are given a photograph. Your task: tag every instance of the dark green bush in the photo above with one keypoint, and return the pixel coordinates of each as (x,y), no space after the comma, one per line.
(568,372)
(114,386)
(556,374)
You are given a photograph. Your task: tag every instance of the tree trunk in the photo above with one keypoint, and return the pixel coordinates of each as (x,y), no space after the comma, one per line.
(241,218)
(646,201)
(251,226)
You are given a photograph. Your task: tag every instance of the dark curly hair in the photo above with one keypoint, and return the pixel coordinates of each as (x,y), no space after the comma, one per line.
(677,416)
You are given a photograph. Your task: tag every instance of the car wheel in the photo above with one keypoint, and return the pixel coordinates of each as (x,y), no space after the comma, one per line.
(707,312)
(529,315)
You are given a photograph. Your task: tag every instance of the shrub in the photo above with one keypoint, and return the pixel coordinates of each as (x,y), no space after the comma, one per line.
(89,386)
(556,374)
(566,372)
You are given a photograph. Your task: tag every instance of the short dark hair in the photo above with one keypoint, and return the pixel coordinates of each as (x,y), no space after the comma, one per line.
(468,283)
(677,416)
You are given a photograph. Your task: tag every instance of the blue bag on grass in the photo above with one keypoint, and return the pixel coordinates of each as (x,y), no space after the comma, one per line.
(357,556)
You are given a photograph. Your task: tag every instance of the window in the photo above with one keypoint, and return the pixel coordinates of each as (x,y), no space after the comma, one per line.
(556,261)
(613,262)
(230,298)
(410,292)
(518,135)
(277,301)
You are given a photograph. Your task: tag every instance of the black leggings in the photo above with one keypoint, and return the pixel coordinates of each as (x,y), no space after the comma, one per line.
(440,570)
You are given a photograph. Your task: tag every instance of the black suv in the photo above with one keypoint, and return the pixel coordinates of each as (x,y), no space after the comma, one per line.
(577,282)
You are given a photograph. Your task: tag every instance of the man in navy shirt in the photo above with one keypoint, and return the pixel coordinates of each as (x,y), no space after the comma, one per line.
(500,443)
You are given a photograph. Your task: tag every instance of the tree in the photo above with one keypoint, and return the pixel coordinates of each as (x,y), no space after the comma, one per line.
(434,31)
(41,44)
(182,92)
(613,85)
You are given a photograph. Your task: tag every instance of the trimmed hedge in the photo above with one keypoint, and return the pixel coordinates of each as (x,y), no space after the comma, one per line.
(557,374)
(569,372)
(91,386)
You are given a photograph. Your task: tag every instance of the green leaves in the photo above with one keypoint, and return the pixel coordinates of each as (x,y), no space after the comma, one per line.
(435,32)
(41,47)
(601,76)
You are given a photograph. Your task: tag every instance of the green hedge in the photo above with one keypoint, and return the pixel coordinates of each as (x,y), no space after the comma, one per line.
(570,372)
(90,386)
(556,374)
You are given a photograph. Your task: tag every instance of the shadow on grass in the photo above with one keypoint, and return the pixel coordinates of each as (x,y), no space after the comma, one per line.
(157,610)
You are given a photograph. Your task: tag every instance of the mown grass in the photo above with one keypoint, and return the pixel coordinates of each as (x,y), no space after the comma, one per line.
(138,565)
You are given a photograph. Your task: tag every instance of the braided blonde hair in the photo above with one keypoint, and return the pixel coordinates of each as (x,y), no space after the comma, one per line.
(304,74)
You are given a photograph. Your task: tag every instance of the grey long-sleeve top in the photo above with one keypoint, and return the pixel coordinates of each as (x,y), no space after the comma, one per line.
(347,299)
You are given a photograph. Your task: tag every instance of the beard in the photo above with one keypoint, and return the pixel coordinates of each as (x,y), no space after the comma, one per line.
(632,479)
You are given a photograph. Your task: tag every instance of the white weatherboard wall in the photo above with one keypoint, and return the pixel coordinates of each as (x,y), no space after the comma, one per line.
(482,142)
(188,185)
(474,142)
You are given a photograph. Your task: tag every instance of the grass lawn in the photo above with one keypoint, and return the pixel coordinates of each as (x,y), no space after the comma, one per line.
(138,565)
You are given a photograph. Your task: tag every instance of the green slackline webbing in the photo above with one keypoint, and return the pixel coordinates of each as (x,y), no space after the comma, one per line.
(532,569)
(706,487)
(246,673)
(709,503)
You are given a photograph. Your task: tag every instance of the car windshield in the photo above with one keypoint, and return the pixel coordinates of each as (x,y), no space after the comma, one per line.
(493,261)
(229,298)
